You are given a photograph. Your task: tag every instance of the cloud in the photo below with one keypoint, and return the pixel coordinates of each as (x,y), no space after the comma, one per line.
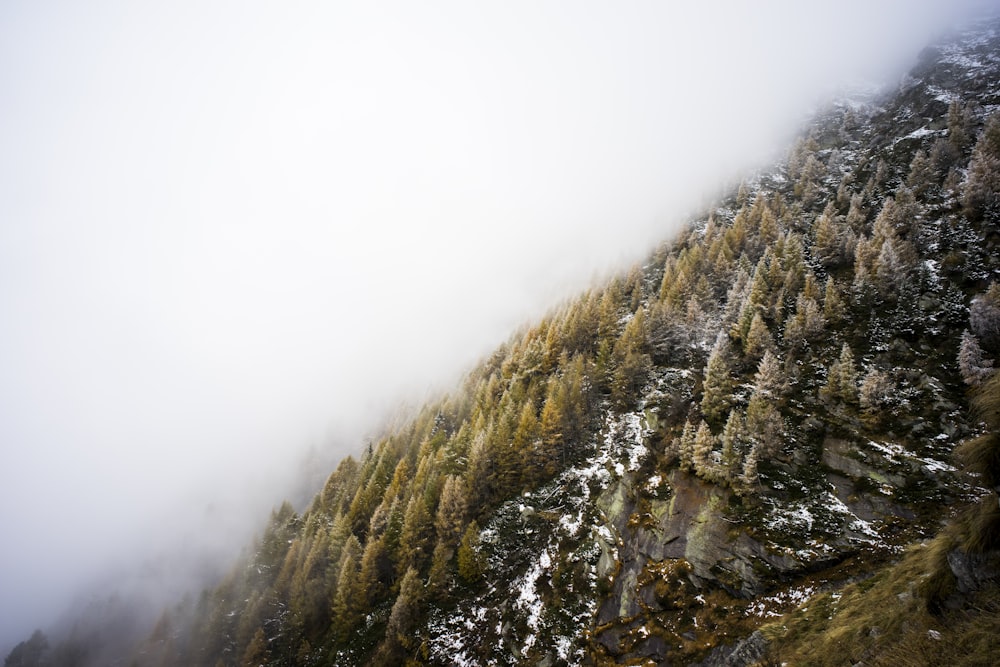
(231,231)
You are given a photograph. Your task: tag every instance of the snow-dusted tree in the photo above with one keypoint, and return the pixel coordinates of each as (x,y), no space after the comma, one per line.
(833,306)
(984,317)
(399,635)
(972,362)
(842,379)
(734,438)
(346,602)
(256,652)
(875,396)
(704,443)
(982,189)
(758,338)
(685,446)
(922,174)
(763,416)
(805,324)
(470,560)
(750,479)
(717,394)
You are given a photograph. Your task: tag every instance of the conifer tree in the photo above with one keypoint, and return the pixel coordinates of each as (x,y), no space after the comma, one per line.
(841,380)
(256,654)
(346,609)
(750,478)
(972,363)
(372,573)
(734,436)
(758,339)
(416,537)
(403,620)
(982,190)
(763,418)
(718,384)
(806,324)
(833,306)
(470,560)
(984,318)
(704,443)
(686,446)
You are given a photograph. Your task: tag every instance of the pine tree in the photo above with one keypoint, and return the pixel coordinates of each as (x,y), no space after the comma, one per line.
(972,363)
(416,537)
(256,654)
(685,447)
(734,437)
(874,397)
(718,385)
(763,418)
(374,573)
(451,513)
(833,306)
(470,560)
(984,318)
(750,479)
(758,339)
(403,621)
(704,443)
(346,609)
(807,324)
(982,190)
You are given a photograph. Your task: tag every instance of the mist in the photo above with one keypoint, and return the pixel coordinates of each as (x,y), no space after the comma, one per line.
(234,237)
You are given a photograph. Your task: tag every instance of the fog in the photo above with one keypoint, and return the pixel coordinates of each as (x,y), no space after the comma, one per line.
(232,233)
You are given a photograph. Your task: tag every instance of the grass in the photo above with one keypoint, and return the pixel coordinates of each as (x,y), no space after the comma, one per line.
(885,620)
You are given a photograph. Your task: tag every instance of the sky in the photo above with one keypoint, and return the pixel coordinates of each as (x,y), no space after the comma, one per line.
(234,231)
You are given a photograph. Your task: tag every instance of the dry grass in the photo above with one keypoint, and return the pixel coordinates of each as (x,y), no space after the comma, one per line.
(885,620)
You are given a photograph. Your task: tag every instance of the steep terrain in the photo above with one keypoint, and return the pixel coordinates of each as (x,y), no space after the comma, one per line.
(760,417)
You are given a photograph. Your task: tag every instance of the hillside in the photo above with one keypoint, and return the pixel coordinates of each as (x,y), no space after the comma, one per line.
(758,420)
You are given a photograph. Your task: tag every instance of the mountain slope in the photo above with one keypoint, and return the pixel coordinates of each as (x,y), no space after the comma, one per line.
(763,411)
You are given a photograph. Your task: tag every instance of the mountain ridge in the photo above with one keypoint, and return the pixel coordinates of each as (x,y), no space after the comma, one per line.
(761,413)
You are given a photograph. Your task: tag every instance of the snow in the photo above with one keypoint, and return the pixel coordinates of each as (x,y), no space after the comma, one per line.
(528,599)
(763,607)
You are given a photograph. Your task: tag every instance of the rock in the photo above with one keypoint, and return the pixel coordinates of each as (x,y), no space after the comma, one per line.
(747,652)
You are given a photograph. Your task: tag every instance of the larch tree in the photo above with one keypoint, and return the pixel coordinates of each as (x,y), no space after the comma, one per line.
(982,189)
(972,362)
(841,379)
(734,439)
(717,388)
(471,563)
(758,338)
(763,416)
(704,443)
(403,620)
(346,609)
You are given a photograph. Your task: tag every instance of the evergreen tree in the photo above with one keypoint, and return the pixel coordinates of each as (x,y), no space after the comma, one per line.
(734,438)
(841,379)
(758,339)
(984,318)
(972,362)
(256,654)
(982,190)
(704,443)
(403,620)
(763,418)
(750,478)
(833,306)
(470,561)
(346,609)
(718,385)
(686,446)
